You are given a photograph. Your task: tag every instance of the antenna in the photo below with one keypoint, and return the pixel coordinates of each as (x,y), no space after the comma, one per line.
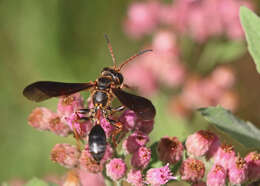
(110,50)
(134,56)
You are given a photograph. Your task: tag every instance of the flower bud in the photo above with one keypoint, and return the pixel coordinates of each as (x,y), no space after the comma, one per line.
(237,172)
(217,176)
(170,150)
(159,176)
(40,118)
(116,169)
(199,143)
(192,170)
(135,178)
(253,161)
(65,154)
(141,158)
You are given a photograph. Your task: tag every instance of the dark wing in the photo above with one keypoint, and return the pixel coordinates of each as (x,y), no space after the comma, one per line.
(142,106)
(42,90)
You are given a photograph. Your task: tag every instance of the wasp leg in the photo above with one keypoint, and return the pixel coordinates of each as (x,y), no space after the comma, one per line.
(78,135)
(118,129)
(116,109)
(83,111)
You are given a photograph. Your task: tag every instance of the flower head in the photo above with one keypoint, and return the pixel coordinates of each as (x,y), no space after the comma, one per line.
(217,176)
(57,126)
(192,170)
(116,169)
(170,150)
(135,178)
(93,179)
(135,141)
(237,172)
(65,154)
(128,118)
(67,105)
(141,158)
(87,163)
(82,128)
(253,161)
(199,143)
(225,156)
(159,176)
(40,118)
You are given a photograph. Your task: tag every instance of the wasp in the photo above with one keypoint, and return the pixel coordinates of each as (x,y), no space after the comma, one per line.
(102,91)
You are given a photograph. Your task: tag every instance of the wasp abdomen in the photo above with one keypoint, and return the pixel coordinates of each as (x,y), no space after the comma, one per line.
(97,142)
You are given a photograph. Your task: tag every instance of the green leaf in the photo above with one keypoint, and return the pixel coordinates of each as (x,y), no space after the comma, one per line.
(36,182)
(251,25)
(244,132)
(217,52)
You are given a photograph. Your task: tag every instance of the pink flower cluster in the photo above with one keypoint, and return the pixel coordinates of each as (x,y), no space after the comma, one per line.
(67,121)
(168,23)
(227,165)
(199,18)
(215,89)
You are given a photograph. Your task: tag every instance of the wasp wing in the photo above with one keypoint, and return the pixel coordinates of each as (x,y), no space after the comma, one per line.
(142,106)
(42,90)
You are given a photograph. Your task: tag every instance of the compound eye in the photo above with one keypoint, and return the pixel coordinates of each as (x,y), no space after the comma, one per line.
(119,77)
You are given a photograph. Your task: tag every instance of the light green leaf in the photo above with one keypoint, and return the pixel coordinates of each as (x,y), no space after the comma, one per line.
(244,132)
(36,182)
(251,25)
(217,52)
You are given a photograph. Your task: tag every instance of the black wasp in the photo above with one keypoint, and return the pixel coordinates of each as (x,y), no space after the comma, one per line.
(107,86)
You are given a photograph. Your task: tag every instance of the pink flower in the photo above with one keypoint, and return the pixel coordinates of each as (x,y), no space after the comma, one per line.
(65,154)
(164,43)
(107,126)
(199,143)
(223,77)
(93,179)
(192,170)
(159,176)
(135,178)
(225,156)
(40,118)
(87,163)
(238,171)
(170,150)
(141,158)
(128,118)
(58,127)
(142,19)
(135,141)
(82,127)
(253,161)
(116,169)
(67,105)
(217,176)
